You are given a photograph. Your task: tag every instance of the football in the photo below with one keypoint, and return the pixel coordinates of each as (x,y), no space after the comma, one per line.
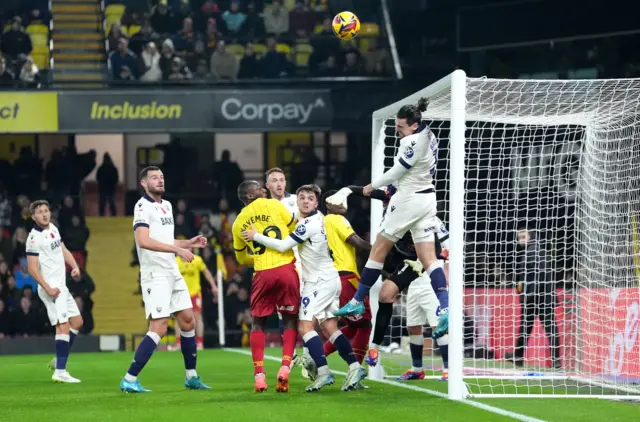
(346,25)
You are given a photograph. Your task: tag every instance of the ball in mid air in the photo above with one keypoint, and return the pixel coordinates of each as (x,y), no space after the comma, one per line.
(346,25)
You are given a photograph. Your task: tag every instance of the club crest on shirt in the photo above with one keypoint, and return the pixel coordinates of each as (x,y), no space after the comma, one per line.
(408,152)
(301,230)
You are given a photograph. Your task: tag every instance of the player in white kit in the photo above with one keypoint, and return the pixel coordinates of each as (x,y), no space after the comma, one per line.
(276,183)
(413,208)
(321,292)
(46,258)
(164,291)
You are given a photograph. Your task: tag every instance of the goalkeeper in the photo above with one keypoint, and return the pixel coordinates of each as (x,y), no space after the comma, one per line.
(401,268)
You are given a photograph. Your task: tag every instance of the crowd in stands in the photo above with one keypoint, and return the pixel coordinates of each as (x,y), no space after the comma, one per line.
(232,40)
(18,67)
(22,313)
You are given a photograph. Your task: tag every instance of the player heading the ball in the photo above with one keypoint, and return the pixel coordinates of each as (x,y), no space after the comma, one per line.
(412,209)
(164,290)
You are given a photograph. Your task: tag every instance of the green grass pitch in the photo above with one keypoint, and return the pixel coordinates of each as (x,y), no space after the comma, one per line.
(27,394)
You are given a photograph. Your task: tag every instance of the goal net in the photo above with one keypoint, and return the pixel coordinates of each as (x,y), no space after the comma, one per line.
(562,158)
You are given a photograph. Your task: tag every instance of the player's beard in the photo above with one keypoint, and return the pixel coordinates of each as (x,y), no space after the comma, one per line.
(159,191)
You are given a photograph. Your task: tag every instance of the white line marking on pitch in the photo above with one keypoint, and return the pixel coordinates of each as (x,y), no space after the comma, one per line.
(488,408)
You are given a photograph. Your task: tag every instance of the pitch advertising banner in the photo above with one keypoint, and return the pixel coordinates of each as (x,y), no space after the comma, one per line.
(28,112)
(130,111)
(269,110)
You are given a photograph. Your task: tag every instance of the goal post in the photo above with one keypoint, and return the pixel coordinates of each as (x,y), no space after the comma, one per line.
(560,157)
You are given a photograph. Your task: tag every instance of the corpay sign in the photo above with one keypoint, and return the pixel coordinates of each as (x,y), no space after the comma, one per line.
(268,110)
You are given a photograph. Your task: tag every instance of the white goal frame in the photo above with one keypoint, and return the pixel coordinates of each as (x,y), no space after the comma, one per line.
(455,84)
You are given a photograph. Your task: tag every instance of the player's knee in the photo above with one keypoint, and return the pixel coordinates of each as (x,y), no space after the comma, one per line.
(63,328)
(258,324)
(76,322)
(388,292)
(159,327)
(305,327)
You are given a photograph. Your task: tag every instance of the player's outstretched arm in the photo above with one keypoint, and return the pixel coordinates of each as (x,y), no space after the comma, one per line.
(359,243)
(146,242)
(34,270)
(280,245)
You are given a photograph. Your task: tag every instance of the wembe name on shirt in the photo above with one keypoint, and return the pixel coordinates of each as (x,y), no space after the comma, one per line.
(262,218)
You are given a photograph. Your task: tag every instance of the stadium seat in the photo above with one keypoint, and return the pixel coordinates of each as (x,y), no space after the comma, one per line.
(302,54)
(318,29)
(369,29)
(283,48)
(260,49)
(41,60)
(236,49)
(133,30)
(114,10)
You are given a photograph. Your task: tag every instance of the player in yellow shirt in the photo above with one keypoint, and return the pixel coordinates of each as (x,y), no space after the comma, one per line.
(275,285)
(191,273)
(343,243)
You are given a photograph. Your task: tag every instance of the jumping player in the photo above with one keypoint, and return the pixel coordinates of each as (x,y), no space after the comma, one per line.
(276,285)
(343,243)
(320,297)
(164,291)
(46,258)
(191,271)
(412,209)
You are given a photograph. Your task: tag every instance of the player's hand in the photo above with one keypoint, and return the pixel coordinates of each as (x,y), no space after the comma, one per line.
(339,198)
(444,254)
(198,241)
(75,274)
(185,254)
(53,291)
(366,191)
(248,235)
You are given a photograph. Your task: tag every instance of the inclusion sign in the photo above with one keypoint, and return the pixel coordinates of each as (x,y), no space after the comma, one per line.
(272,110)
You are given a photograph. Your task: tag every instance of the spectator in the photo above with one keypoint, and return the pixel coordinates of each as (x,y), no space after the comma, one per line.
(150,64)
(76,235)
(184,11)
(234,18)
(189,216)
(202,70)
(302,19)
(124,64)
(375,55)
(210,11)
(379,70)
(162,19)
(36,17)
(353,67)
(228,175)
(224,65)
(179,71)
(276,18)
(198,54)
(212,35)
(166,58)
(26,321)
(107,177)
(55,175)
(184,41)
(329,69)
(140,39)
(11,294)
(69,210)
(249,64)
(254,24)
(324,44)
(19,245)
(29,76)
(21,214)
(274,63)
(115,34)
(6,320)
(83,287)
(222,222)
(7,79)
(22,276)
(16,44)
(5,209)
(4,273)
(28,172)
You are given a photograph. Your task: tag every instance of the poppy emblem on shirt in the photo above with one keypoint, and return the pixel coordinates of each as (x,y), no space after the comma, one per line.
(53,236)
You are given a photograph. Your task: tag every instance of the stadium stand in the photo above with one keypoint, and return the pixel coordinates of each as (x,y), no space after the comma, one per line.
(176,41)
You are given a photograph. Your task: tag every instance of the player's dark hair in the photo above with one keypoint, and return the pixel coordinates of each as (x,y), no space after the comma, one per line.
(145,171)
(273,170)
(36,204)
(310,188)
(323,201)
(243,190)
(413,113)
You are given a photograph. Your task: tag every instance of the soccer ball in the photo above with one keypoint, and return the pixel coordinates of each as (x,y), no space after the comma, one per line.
(346,25)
